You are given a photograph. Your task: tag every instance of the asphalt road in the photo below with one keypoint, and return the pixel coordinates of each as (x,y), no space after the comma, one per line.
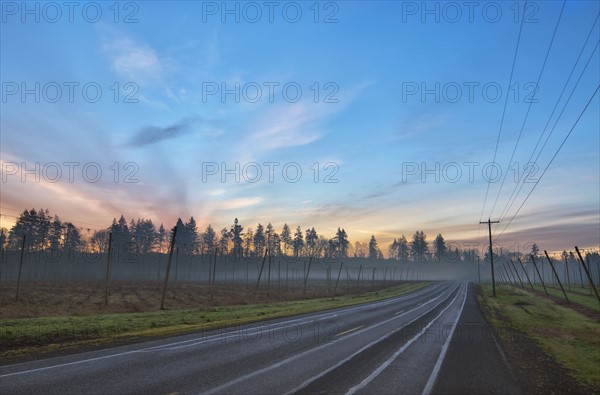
(411,344)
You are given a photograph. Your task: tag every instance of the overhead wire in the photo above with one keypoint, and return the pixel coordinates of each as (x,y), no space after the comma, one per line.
(518,185)
(503,112)
(549,163)
(529,107)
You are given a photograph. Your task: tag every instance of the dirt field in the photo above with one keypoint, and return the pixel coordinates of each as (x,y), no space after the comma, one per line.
(43,299)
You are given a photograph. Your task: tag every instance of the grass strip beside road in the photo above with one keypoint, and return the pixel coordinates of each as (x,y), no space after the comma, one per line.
(577,295)
(20,337)
(571,338)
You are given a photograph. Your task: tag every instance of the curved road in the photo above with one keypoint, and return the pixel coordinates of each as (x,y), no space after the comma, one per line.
(433,340)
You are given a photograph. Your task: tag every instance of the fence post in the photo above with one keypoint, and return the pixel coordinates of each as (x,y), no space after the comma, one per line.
(516,271)
(269,276)
(526,275)
(108,269)
(556,275)
(509,270)
(20,268)
(373,278)
(587,259)
(307,274)
(260,273)
(505,272)
(214,273)
(176,266)
(587,272)
(164,292)
(158,271)
(568,276)
(338,278)
(358,279)
(538,272)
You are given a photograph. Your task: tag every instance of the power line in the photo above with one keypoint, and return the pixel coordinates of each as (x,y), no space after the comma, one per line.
(530,104)
(503,113)
(568,100)
(551,160)
(510,199)
(512,70)
(505,213)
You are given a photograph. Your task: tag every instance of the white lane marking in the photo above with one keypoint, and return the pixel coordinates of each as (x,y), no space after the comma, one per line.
(326,371)
(236,333)
(279,325)
(154,348)
(438,364)
(229,334)
(384,365)
(297,356)
(348,331)
(68,364)
(212,337)
(399,312)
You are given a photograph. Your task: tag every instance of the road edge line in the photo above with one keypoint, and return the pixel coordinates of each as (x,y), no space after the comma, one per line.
(389,361)
(436,369)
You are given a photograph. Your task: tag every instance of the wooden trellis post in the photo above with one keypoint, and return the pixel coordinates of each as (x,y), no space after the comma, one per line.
(164,292)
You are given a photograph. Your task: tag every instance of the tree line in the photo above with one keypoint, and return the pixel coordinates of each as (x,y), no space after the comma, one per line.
(48,232)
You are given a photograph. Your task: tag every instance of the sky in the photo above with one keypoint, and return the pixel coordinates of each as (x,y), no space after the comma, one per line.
(381,117)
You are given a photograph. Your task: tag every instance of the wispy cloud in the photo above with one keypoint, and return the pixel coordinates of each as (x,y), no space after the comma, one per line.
(302,123)
(420,124)
(133,60)
(154,134)
(239,203)
(215,192)
(295,126)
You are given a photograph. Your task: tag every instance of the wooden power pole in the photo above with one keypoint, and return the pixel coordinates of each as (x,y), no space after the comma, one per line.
(489,222)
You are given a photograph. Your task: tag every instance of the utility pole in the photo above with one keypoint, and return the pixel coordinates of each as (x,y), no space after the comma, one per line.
(489,222)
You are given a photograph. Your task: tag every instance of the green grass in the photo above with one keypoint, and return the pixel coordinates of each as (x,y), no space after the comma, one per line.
(30,335)
(576,295)
(570,337)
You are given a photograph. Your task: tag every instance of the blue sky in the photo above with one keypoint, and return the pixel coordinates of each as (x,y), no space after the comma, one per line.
(369,129)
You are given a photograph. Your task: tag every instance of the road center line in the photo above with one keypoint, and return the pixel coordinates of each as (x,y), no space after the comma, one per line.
(348,331)
(326,371)
(297,356)
(280,325)
(384,365)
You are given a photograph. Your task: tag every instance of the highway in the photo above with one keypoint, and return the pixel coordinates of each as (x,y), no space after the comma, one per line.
(398,345)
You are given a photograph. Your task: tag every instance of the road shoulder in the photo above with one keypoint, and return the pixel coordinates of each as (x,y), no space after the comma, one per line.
(536,371)
(475,362)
